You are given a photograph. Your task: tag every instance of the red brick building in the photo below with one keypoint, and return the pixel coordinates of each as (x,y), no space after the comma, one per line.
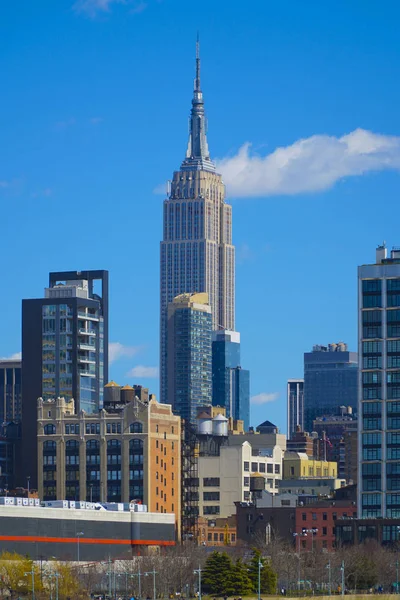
(317,521)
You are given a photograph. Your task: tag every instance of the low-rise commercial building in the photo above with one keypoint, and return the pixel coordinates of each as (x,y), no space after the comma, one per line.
(297,465)
(225,479)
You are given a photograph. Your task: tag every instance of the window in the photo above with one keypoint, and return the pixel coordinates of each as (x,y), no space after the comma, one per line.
(303,517)
(210,510)
(136,427)
(314,516)
(277,469)
(209,496)
(262,467)
(246,466)
(246,481)
(211,481)
(172,429)
(270,468)
(324,531)
(324,517)
(254,467)
(49,429)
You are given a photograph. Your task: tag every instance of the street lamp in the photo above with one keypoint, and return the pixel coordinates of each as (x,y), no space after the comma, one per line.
(56,576)
(313,531)
(153,572)
(33,581)
(328,566)
(28,481)
(199,570)
(138,575)
(342,570)
(260,566)
(78,535)
(299,535)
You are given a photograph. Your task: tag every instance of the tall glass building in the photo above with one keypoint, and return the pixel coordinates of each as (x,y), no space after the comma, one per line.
(330,381)
(64,349)
(10,391)
(196,253)
(379,386)
(189,354)
(230,383)
(295,406)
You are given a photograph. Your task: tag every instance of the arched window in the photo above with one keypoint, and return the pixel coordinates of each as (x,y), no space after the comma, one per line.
(49,470)
(136,469)
(93,471)
(49,429)
(114,470)
(136,427)
(72,470)
(49,446)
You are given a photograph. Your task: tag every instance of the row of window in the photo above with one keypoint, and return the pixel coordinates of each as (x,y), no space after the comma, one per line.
(93,428)
(260,467)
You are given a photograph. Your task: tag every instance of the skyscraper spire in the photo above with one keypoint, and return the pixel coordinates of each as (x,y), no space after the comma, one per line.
(197,154)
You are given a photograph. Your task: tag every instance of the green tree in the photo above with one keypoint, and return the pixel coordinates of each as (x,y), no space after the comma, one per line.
(268,577)
(68,583)
(239,583)
(217,573)
(13,567)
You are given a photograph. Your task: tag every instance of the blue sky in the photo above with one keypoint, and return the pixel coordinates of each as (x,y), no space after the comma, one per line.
(94,107)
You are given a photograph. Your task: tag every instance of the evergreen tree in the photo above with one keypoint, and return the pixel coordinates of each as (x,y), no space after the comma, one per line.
(217,573)
(239,583)
(268,577)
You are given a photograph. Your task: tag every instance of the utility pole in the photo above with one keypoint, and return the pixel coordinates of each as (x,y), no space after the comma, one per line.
(342,569)
(328,566)
(199,572)
(33,581)
(154,572)
(260,566)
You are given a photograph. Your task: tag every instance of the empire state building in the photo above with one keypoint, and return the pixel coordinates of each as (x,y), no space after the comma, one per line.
(197,254)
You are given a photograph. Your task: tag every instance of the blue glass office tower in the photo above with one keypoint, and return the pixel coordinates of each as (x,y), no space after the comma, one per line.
(189,354)
(230,383)
(330,381)
(379,387)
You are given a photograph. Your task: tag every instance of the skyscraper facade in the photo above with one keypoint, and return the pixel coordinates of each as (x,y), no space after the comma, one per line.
(196,254)
(295,406)
(64,349)
(230,383)
(10,391)
(330,381)
(189,354)
(379,386)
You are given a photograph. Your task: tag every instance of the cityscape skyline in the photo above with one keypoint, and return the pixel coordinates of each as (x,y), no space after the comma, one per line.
(79,136)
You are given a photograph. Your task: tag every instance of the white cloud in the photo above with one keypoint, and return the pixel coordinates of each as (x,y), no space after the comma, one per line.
(264,398)
(15,356)
(309,165)
(116,350)
(143,372)
(93,7)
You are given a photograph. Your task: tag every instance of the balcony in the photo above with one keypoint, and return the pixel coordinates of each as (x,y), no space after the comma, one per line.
(84,315)
(87,331)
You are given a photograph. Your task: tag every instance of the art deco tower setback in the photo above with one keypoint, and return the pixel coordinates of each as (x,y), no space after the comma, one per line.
(197,254)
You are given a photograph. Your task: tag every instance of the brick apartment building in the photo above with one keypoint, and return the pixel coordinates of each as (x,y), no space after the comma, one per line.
(318,521)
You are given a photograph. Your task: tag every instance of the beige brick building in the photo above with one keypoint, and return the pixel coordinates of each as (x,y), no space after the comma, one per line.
(132,453)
